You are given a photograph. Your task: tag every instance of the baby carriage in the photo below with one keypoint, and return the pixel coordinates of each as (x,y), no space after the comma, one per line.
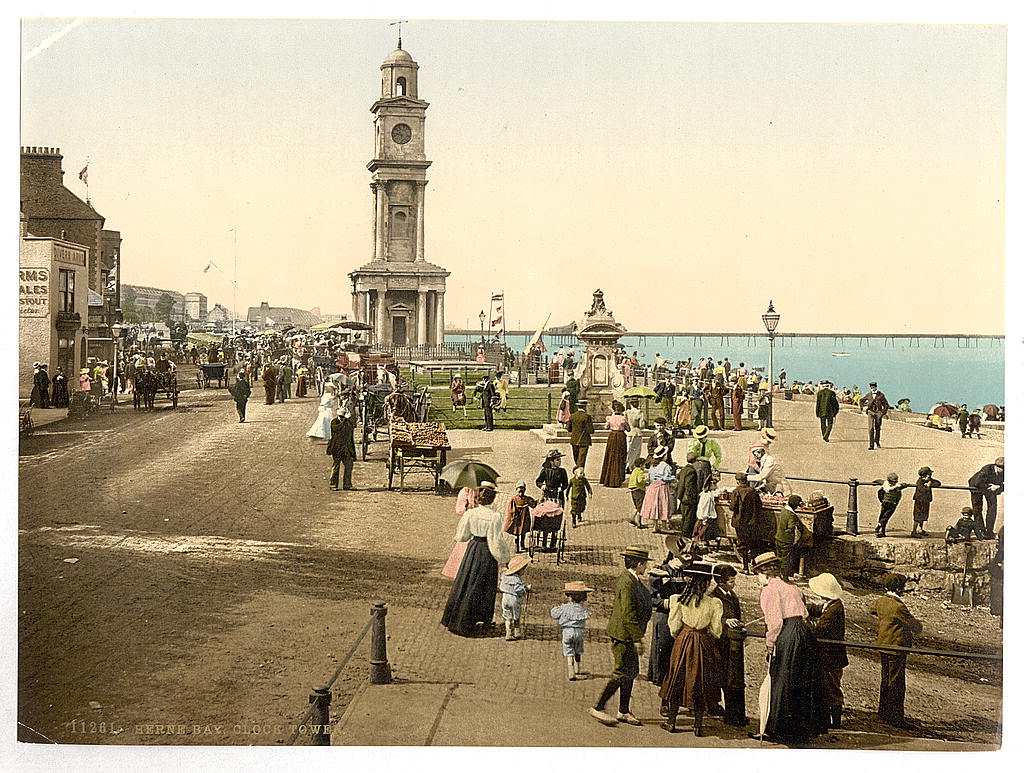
(547,532)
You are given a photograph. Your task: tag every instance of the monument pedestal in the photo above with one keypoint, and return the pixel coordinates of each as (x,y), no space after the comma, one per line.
(601,381)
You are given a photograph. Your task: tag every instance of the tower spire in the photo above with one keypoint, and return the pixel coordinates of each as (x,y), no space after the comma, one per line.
(399,23)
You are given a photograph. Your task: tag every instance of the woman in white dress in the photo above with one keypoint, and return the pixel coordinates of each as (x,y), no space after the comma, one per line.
(326,412)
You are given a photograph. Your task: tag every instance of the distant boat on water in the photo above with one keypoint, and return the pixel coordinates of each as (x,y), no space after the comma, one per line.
(841,354)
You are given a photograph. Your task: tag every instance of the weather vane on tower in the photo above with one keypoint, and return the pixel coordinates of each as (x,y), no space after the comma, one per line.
(400,22)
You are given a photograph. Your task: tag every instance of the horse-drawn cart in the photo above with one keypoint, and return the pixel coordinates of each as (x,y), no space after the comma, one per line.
(149,383)
(212,371)
(417,447)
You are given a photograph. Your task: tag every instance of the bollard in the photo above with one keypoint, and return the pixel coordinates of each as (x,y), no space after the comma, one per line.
(851,508)
(380,669)
(321,718)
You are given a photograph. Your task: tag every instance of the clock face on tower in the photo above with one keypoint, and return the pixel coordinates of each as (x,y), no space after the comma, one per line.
(401,133)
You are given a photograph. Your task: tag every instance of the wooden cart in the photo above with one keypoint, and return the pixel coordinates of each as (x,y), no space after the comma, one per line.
(417,447)
(818,517)
(212,371)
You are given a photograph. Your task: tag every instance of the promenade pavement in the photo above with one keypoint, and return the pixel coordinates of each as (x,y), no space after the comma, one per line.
(217,580)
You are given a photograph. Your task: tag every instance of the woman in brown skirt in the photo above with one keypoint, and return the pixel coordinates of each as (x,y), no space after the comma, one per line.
(694,678)
(613,473)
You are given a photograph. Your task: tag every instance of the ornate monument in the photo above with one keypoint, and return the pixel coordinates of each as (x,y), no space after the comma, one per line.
(399,293)
(600,379)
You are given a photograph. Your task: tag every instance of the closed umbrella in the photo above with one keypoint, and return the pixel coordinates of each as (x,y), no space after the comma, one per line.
(466,473)
(764,699)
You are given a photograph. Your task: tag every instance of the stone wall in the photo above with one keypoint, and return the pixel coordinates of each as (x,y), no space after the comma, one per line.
(932,566)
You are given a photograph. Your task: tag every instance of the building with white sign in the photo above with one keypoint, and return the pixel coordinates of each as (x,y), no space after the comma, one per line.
(52,302)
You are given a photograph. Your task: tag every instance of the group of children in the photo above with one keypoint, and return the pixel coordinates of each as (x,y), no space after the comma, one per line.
(640,477)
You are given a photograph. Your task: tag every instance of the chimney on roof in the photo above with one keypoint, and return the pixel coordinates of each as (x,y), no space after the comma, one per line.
(41,166)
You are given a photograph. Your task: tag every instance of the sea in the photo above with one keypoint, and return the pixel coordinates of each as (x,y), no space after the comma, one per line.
(924,370)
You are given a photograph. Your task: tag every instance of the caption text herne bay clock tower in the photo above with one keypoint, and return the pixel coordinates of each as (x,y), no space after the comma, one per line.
(399,293)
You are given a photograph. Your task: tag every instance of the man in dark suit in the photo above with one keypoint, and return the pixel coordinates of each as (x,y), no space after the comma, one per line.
(746,520)
(826,409)
(876,407)
(487,391)
(631,611)
(986,484)
(687,494)
(342,449)
(581,431)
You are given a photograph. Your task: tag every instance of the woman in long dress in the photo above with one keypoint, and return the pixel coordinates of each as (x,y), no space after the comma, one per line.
(471,600)
(613,471)
(797,706)
(665,582)
(326,412)
(694,678)
(59,398)
(658,500)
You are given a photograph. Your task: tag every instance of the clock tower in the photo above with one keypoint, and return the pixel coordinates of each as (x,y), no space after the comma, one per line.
(398,292)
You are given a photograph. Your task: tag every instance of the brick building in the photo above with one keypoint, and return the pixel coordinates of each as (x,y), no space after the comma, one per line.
(53,298)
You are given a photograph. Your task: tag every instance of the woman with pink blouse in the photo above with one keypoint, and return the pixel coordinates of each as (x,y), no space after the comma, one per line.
(613,472)
(797,710)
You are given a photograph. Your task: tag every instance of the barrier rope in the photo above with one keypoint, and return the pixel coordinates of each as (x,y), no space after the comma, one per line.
(330,684)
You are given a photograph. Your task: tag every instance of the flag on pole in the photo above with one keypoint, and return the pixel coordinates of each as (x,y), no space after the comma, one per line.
(498,297)
(208,267)
(84,174)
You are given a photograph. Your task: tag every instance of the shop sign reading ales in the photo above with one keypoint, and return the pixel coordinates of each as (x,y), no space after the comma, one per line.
(35,292)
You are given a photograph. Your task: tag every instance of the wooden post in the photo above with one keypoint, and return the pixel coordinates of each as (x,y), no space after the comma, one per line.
(321,718)
(549,406)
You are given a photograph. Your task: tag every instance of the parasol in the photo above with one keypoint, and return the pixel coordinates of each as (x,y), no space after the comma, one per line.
(990,410)
(466,473)
(945,410)
(639,391)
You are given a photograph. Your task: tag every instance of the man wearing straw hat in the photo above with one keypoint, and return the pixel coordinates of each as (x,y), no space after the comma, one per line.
(631,611)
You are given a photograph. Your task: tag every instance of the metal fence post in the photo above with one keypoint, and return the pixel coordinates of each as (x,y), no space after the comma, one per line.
(321,698)
(851,508)
(380,669)
(549,406)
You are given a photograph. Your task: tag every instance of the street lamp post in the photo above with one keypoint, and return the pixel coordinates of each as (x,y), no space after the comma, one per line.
(771,321)
(483,318)
(115,332)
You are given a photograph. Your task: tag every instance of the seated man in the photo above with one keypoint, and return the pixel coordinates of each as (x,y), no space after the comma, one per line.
(769,477)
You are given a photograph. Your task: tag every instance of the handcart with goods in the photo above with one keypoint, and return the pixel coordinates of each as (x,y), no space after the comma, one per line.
(417,447)
(547,529)
(816,514)
(212,371)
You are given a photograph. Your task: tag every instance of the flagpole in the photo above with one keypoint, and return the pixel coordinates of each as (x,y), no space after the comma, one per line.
(234,301)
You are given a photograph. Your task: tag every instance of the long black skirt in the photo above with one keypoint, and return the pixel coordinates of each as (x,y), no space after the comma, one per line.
(797,702)
(476,585)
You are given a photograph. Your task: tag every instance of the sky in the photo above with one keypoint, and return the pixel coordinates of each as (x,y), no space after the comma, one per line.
(852,173)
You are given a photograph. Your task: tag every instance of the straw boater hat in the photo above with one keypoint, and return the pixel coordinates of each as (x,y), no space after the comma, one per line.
(826,586)
(520,484)
(517,564)
(675,544)
(84,371)
(577,587)
(488,484)
(698,569)
(701,432)
(660,452)
(769,434)
(636,552)
(766,559)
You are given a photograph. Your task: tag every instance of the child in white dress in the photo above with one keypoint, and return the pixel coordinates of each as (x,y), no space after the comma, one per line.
(512,590)
(572,619)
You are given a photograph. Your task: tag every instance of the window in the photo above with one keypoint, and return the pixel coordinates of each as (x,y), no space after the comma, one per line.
(66,290)
(401,226)
(400,87)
